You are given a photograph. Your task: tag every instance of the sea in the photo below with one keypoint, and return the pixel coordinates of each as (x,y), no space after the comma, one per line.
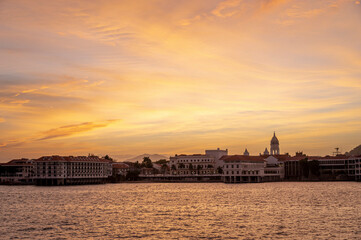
(277,210)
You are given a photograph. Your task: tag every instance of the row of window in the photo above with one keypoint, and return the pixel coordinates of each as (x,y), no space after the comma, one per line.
(195,172)
(243,165)
(194,160)
(243,172)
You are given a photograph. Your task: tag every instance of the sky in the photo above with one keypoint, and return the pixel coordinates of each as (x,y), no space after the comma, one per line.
(178,76)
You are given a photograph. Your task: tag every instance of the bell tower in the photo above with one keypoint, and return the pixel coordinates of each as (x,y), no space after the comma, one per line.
(275,145)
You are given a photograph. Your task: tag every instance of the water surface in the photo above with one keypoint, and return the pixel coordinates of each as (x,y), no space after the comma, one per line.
(282,210)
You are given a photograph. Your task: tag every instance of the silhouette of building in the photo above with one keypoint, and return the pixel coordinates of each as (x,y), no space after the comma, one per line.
(266,152)
(246,153)
(275,145)
(17,171)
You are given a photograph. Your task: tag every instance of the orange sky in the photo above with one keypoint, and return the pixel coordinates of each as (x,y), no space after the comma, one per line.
(178,76)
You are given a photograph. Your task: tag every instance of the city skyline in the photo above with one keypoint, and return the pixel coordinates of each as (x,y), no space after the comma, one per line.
(170,77)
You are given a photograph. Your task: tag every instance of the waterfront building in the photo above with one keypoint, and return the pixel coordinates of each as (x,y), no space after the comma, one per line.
(246,168)
(60,170)
(242,168)
(292,167)
(357,163)
(341,167)
(195,164)
(17,171)
(198,164)
(274,169)
(217,154)
(120,168)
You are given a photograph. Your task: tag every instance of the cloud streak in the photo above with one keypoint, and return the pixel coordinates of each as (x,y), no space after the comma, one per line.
(66,131)
(59,132)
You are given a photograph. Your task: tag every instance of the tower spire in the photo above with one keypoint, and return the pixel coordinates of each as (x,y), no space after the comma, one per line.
(275,148)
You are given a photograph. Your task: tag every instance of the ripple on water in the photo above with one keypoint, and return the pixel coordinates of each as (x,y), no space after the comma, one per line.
(182,210)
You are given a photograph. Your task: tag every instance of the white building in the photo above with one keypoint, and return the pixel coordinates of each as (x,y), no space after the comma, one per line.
(217,155)
(59,170)
(199,164)
(243,168)
(274,169)
(120,168)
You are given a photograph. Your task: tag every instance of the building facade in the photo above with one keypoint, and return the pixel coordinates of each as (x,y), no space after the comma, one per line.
(17,171)
(196,164)
(60,170)
(243,169)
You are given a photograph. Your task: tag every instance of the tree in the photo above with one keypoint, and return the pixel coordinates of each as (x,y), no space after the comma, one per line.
(137,165)
(132,175)
(108,158)
(147,162)
(174,167)
(161,161)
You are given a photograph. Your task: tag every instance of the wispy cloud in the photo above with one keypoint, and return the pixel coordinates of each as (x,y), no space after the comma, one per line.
(65,131)
(59,132)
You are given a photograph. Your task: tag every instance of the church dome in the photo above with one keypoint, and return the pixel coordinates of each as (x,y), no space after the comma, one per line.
(274,139)
(266,152)
(246,153)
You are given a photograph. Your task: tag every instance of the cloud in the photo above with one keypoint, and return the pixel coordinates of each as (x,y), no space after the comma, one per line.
(65,131)
(59,132)
(227,8)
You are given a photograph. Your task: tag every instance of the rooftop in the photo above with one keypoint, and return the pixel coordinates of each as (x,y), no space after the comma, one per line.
(57,158)
(242,158)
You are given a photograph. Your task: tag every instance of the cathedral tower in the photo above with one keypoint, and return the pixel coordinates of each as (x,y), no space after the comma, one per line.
(275,145)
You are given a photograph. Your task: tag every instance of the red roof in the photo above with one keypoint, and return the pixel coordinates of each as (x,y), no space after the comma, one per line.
(242,158)
(294,158)
(18,162)
(328,157)
(71,159)
(120,166)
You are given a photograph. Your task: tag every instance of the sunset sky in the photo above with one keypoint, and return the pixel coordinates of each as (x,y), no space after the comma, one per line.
(178,76)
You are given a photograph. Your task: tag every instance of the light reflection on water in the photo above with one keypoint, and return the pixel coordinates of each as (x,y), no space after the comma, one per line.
(289,210)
